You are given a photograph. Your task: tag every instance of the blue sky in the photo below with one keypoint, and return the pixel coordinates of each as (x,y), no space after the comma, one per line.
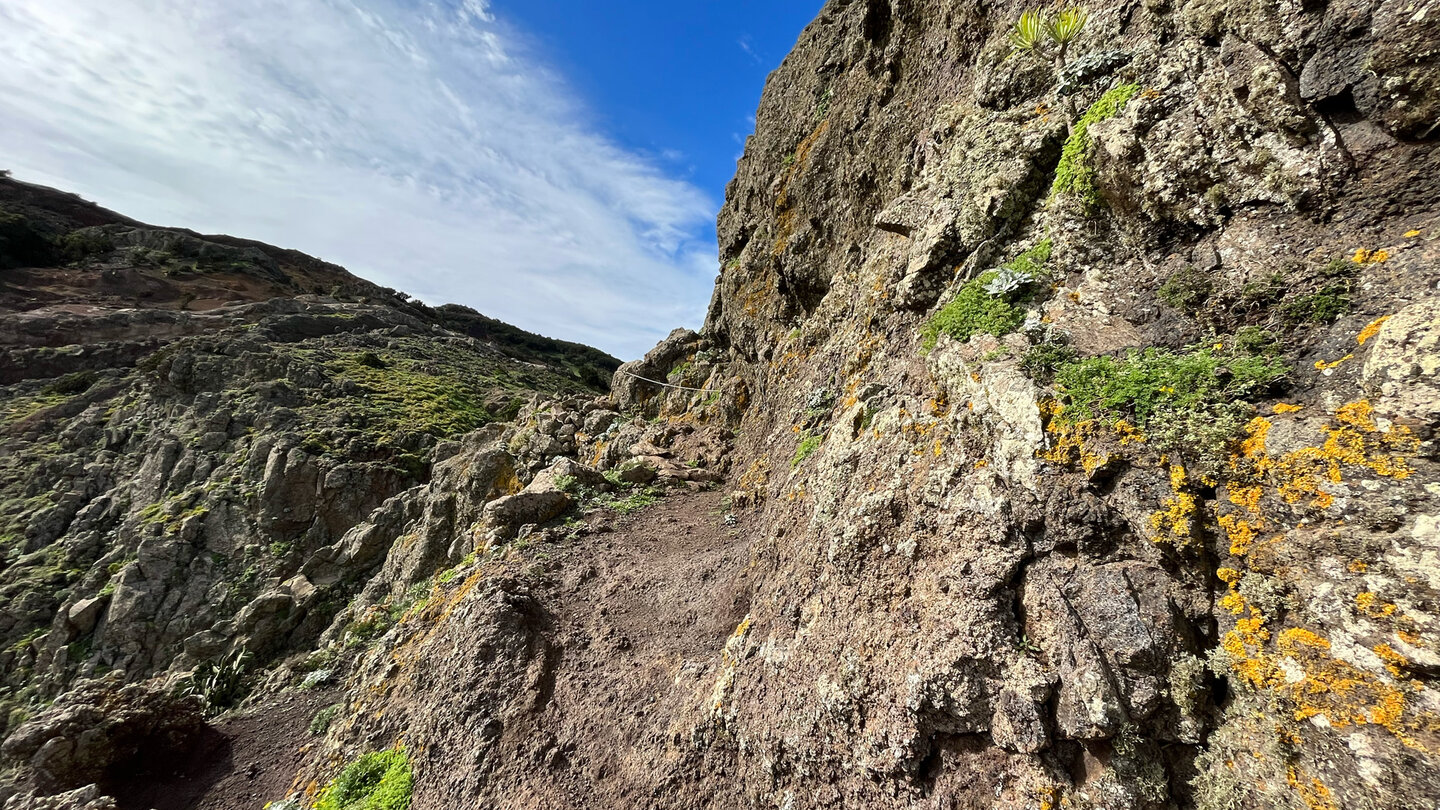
(554,163)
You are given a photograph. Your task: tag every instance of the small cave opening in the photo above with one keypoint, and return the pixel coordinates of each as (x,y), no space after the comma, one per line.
(1339,109)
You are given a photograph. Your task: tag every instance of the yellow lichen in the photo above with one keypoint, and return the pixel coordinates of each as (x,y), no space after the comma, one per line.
(1321,365)
(1371,330)
(1175,522)
(1312,791)
(1363,256)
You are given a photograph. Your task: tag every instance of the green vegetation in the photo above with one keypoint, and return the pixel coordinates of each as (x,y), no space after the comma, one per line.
(1192,401)
(22,244)
(993,302)
(376,781)
(72,384)
(809,443)
(634,502)
(1048,35)
(1075,174)
(1041,360)
(1186,290)
(1322,306)
(222,684)
(320,723)
(1152,383)
(84,243)
(379,619)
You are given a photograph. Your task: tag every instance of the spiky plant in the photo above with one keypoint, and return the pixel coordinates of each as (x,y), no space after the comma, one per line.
(1029,32)
(1048,35)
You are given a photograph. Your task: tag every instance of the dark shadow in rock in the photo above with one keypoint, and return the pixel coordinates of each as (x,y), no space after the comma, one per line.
(159,780)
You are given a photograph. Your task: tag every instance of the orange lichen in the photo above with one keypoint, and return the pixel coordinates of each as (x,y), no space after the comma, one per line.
(1240,533)
(1354,440)
(1371,330)
(1281,407)
(1363,256)
(1372,606)
(1175,522)
(1072,443)
(1312,791)
(1394,661)
(1321,365)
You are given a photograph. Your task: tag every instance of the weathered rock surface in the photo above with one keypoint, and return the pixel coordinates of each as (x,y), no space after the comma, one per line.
(951,582)
(103,732)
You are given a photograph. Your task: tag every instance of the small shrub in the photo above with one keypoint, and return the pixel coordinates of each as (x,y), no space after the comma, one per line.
(976,310)
(320,723)
(84,243)
(21,245)
(376,781)
(1041,361)
(1186,290)
(222,684)
(1262,294)
(1191,402)
(1146,382)
(807,447)
(1322,306)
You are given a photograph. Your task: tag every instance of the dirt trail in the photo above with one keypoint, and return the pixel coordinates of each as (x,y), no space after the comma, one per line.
(635,610)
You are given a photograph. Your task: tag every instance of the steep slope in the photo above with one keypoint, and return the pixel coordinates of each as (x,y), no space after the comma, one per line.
(185,419)
(1078,426)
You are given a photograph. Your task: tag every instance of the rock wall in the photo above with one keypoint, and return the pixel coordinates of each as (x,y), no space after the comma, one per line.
(1078,421)
(971,598)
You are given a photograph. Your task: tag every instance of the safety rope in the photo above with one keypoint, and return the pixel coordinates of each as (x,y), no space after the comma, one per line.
(667,385)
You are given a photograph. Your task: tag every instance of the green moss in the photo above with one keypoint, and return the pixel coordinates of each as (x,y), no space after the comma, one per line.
(1075,173)
(807,447)
(381,780)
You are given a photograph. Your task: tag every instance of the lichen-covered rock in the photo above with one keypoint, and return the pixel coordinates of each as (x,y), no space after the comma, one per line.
(103,731)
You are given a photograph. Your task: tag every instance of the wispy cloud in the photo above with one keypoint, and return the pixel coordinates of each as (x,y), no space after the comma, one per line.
(421,145)
(747,45)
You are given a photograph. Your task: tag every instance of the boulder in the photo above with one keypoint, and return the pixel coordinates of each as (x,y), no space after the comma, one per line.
(101,730)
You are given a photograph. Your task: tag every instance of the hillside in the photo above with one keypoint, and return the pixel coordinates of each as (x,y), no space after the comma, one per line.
(185,419)
(1062,434)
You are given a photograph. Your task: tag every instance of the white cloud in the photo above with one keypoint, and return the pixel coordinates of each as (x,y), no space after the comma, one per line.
(417,144)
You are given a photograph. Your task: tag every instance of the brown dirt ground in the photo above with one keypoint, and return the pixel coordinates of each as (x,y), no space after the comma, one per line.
(251,761)
(635,605)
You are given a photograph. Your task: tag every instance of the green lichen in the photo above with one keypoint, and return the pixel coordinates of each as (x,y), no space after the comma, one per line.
(380,780)
(1075,174)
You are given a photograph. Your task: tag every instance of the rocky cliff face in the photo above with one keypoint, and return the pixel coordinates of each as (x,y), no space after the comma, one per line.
(1077,432)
